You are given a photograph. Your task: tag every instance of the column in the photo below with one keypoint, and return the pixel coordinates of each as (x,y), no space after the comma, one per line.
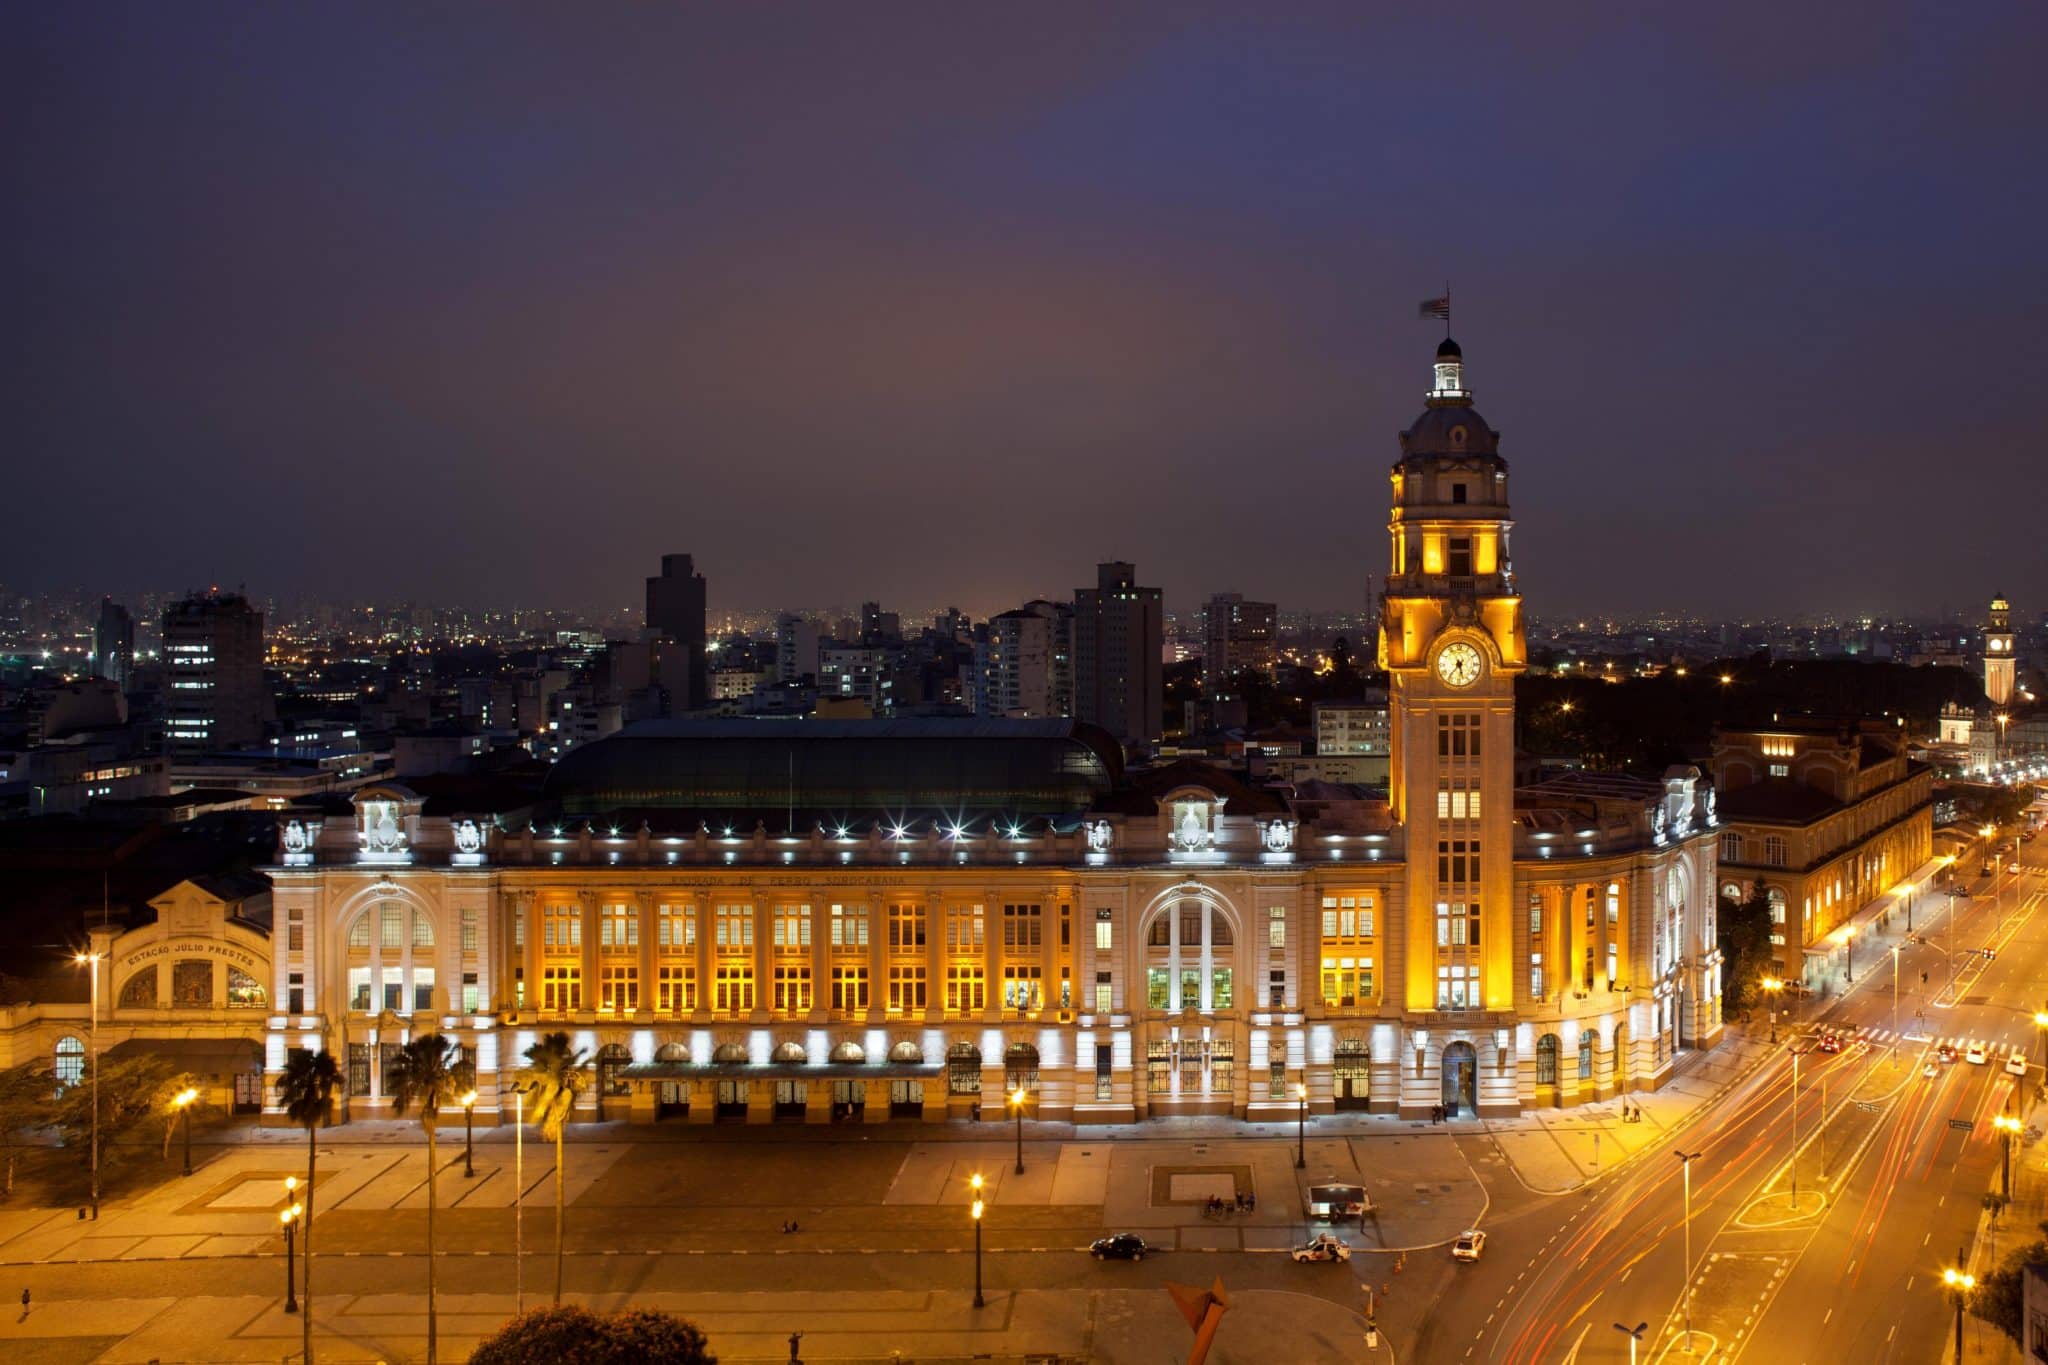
(525,907)
(643,904)
(1205,991)
(878,963)
(1172,913)
(586,911)
(764,977)
(934,960)
(704,924)
(821,955)
(994,956)
(1050,960)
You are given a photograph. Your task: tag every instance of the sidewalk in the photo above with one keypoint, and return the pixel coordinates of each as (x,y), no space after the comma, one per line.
(2016,1227)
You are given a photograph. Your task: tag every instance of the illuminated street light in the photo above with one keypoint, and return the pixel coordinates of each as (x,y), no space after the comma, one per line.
(1772,985)
(1959,1285)
(2006,1125)
(91,962)
(1686,1159)
(1301,1129)
(182,1102)
(469,1133)
(975,1183)
(1634,1335)
(288,1218)
(1017,1098)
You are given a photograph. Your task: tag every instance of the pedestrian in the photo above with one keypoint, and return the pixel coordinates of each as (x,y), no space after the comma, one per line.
(24,1303)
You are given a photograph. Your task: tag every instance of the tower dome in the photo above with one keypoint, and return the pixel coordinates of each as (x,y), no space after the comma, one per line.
(1450,376)
(1448,424)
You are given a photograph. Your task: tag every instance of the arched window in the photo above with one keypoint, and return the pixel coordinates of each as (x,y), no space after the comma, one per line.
(70,1061)
(1546,1059)
(244,992)
(963,1069)
(849,1052)
(1586,1055)
(790,1054)
(139,991)
(906,1051)
(730,1054)
(192,984)
(672,1052)
(1020,1066)
(390,962)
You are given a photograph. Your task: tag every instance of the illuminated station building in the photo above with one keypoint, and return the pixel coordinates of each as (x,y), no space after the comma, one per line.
(849,921)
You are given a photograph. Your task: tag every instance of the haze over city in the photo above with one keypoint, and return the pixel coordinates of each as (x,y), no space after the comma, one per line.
(908,293)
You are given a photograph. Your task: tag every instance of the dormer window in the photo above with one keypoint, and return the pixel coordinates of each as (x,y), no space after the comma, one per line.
(1457,492)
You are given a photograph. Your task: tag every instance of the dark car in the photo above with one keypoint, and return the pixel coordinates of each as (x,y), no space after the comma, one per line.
(1830,1042)
(1124,1246)
(1945,1053)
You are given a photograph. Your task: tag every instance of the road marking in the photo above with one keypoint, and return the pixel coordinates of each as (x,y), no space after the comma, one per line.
(1824,1320)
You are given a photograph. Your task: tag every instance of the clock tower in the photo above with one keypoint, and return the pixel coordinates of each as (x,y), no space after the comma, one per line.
(1451,642)
(1998,660)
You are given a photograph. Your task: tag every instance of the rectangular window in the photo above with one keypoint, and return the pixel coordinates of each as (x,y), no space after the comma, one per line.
(1613,964)
(675,927)
(391,925)
(1347,919)
(295,938)
(966,988)
(732,988)
(561,928)
(792,927)
(906,929)
(1458,557)
(849,928)
(792,988)
(965,930)
(1613,904)
(1535,915)
(1021,926)
(561,989)
(359,989)
(618,928)
(735,928)
(469,931)
(1276,989)
(1347,981)
(1457,986)
(675,988)
(1276,927)
(1103,986)
(1457,861)
(618,990)
(1104,931)
(1022,988)
(1536,976)
(850,989)
(518,930)
(906,989)
(471,995)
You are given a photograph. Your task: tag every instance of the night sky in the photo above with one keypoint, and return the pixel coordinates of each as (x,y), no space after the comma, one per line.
(496,304)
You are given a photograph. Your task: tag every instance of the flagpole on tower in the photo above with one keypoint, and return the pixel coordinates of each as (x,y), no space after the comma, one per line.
(1447,310)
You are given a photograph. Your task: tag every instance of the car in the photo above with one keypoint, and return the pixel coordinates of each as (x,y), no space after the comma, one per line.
(1945,1053)
(2014,867)
(1975,1054)
(1470,1243)
(1324,1246)
(1930,1070)
(1830,1042)
(1122,1246)
(2016,1063)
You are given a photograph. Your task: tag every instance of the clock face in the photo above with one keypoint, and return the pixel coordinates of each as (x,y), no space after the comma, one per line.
(1458,664)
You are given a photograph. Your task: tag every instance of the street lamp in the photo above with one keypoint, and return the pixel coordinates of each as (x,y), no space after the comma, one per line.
(1634,1335)
(182,1102)
(1960,1285)
(2041,1023)
(1301,1128)
(469,1133)
(1849,944)
(1686,1159)
(1017,1098)
(975,1182)
(1772,986)
(1795,1131)
(288,1216)
(2006,1125)
(91,962)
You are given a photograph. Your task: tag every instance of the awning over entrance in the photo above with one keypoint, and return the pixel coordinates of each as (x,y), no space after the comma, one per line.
(205,1056)
(782,1071)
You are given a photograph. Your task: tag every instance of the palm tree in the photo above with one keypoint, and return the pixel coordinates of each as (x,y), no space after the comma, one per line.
(555,1076)
(306,1090)
(430,1074)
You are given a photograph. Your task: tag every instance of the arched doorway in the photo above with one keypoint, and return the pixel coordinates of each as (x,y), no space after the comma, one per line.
(906,1094)
(1546,1067)
(672,1097)
(1461,1080)
(1621,1059)
(1020,1067)
(730,1096)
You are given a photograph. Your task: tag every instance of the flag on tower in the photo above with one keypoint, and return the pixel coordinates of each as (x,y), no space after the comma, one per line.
(1440,309)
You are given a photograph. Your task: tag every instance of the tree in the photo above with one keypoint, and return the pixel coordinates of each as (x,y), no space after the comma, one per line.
(1745,933)
(429,1074)
(164,1104)
(128,1097)
(554,1077)
(26,1092)
(1999,1298)
(632,1337)
(306,1090)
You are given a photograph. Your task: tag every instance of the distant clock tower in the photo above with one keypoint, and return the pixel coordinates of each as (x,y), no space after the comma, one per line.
(1998,661)
(1451,642)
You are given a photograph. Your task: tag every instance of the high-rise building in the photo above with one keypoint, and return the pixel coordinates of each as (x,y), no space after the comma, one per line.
(1239,638)
(113,644)
(796,648)
(675,615)
(1119,636)
(213,663)
(1026,666)
(1998,660)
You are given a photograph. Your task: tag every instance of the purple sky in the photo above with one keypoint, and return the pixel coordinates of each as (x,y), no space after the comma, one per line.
(499,303)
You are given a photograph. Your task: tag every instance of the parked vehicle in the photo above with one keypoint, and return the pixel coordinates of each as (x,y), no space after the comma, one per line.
(1324,1246)
(1121,1246)
(1469,1245)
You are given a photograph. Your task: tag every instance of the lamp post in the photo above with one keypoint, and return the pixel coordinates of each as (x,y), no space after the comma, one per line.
(1959,1284)
(91,962)
(2006,1125)
(1772,986)
(1795,1131)
(1686,1159)
(288,1216)
(469,1133)
(975,1182)
(1849,946)
(518,1200)
(1895,1000)
(182,1102)
(1301,1128)
(1017,1098)
(2041,1023)
(1634,1335)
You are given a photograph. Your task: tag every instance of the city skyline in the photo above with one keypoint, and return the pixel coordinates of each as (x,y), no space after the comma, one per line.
(1148,292)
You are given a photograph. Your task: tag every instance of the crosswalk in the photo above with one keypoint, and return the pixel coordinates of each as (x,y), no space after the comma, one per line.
(1996,1053)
